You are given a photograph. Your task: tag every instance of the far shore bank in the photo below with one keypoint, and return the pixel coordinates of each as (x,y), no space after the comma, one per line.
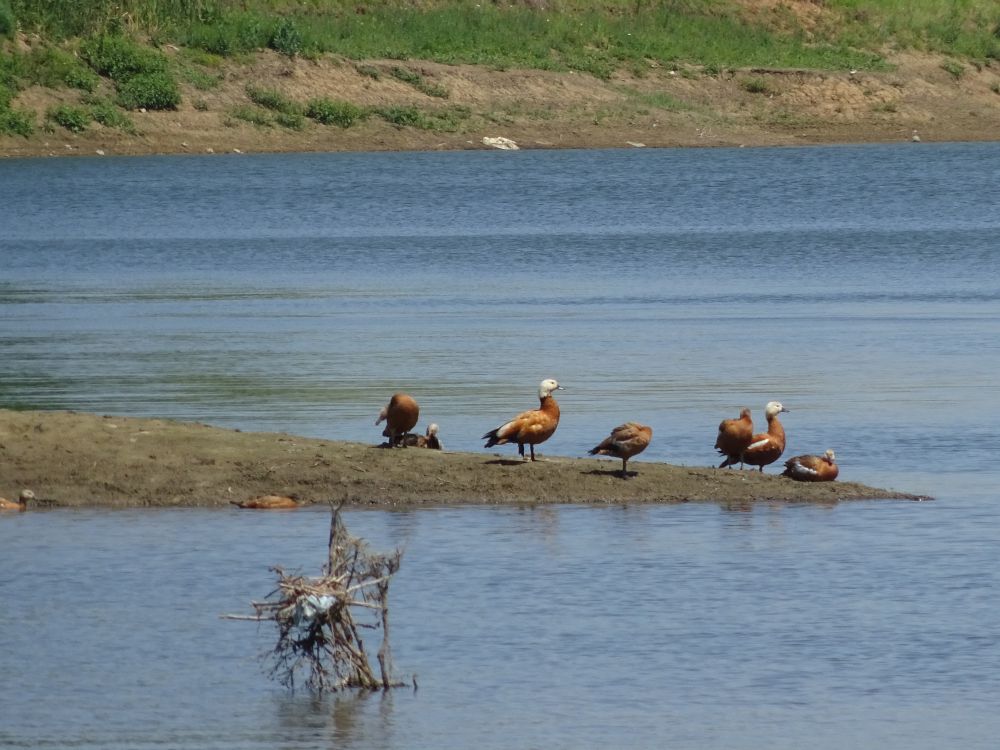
(71,459)
(917,101)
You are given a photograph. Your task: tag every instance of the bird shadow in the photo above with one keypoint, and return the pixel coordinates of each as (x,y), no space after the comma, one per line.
(400,444)
(508,462)
(612,473)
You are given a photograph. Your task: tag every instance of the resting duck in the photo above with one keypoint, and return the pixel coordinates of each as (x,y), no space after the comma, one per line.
(267,502)
(766,447)
(626,440)
(530,427)
(400,415)
(812,468)
(22,501)
(734,437)
(428,440)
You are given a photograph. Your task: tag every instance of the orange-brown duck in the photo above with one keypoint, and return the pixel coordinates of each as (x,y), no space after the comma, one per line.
(530,427)
(766,447)
(626,440)
(400,416)
(267,502)
(812,468)
(735,435)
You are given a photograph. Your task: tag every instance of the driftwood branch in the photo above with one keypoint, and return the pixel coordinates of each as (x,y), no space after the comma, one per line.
(315,617)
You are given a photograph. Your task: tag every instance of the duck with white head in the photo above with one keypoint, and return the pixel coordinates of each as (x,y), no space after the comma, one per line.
(530,427)
(766,447)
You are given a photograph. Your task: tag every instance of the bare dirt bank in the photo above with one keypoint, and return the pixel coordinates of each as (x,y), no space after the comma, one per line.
(73,459)
(544,109)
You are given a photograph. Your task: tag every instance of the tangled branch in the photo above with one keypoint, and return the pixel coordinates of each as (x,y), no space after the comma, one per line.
(320,620)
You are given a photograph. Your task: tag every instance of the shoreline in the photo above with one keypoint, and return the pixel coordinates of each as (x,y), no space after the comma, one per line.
(915,101)
(73,459)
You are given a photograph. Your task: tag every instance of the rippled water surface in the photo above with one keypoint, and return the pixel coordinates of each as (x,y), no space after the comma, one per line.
(858,285)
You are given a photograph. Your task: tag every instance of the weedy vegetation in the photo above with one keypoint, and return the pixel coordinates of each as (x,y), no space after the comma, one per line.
(334,112)
(143,48)
(75,119)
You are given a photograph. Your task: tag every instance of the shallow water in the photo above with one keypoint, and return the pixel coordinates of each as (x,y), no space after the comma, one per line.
(864,625)
(858,285)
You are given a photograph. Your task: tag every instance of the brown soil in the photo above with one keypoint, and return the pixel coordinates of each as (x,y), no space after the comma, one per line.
(72,459)
(538,109)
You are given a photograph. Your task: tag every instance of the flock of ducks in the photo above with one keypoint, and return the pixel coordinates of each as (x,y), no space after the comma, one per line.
(736,442)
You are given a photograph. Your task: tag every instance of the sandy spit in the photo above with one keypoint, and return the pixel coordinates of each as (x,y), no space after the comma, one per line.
(78,459)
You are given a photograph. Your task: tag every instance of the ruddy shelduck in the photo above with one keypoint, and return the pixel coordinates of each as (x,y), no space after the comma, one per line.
(530,427)
(766,447)
(428,440)
(22,501)
(400,415)
(812,468)
(267,502)
(735,436)
(626,440)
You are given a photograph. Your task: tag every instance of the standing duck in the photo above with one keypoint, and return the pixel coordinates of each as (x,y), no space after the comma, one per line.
(22,501)
(735,436)
(812,468)
(530,427)
(626,440)
(766,447)
(400,415)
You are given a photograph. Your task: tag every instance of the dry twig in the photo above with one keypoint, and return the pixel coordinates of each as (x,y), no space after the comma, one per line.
(315,617)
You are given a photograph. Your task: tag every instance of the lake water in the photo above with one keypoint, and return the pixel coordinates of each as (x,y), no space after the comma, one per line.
(858,285)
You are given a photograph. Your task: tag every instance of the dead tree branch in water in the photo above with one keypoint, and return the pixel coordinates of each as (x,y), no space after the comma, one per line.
(320,620)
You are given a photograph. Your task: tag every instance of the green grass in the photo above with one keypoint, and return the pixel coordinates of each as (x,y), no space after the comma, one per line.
(286,38)
(155,91)
(8,23)
(6,96)
(121,57)
(189,69)
(441,120)
(142,75)
(290,120)
(755,85)
(254,115)
(333,112)
(110,116)
(92,44)
(75,119)
(955,69)
(287,113)
(50,66)
(418,82)
(597,37)
(273,100)
(885,107)
(657,100)
(16,122)
(963,28)
(587,35)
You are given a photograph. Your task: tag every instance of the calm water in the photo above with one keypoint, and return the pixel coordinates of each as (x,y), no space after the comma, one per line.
(859,286)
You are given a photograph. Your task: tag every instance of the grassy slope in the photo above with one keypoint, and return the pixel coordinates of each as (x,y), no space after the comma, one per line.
(584,35)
